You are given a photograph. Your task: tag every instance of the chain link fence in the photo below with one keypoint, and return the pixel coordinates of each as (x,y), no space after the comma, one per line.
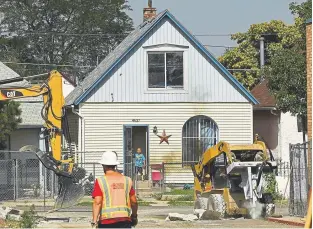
(299,183)
(23,177)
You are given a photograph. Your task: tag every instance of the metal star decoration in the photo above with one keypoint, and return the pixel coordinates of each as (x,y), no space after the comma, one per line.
(164,137)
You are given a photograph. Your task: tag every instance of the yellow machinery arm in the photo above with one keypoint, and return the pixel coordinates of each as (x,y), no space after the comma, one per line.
(201,171)
(52,110)
(53,113)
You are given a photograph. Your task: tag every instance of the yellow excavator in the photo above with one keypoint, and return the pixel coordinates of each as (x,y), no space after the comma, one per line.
(229,181)
(56,125)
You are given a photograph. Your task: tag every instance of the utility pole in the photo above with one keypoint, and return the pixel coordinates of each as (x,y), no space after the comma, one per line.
(262,56)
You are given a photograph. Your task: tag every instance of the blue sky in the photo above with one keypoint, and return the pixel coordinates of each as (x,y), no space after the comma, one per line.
(218,16)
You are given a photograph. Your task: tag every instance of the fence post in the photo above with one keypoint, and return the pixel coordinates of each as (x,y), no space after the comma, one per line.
(163,177)
(17,178)
(44,189)
(52,184)
(94,171)
(14,179)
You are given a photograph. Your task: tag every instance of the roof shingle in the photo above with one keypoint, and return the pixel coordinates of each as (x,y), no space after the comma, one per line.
(262,93)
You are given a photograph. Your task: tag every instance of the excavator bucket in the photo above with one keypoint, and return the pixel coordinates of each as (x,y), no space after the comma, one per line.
(70,191)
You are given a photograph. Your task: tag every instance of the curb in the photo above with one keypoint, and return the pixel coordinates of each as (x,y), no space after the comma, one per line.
(286,221)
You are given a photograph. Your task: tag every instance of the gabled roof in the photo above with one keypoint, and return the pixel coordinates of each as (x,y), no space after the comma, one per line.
(130,42)
(31,107)
(8,73)
(262,93)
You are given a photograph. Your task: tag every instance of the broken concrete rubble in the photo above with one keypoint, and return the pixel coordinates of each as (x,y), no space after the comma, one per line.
(10,213)
(181,217)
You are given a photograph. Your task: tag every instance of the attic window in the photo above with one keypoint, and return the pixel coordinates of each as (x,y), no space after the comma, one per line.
(166,70)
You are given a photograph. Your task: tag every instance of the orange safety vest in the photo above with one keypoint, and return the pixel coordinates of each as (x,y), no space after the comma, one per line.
(116,201)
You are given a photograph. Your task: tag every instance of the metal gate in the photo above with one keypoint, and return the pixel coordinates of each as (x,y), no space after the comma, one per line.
(299,182)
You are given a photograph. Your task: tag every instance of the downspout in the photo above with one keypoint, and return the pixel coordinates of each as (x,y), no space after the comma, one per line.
(279,153)
(81,136)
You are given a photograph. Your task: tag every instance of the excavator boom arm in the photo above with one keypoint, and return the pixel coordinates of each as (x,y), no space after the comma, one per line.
(53,105)
(53,113)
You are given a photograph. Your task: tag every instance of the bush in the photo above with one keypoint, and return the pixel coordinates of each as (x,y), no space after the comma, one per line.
(29,218)
(271,186)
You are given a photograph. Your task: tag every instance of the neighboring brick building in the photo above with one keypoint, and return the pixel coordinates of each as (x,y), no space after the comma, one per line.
(309,88)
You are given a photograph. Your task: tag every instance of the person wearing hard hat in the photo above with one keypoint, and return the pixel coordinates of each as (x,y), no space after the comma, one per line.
(115,203)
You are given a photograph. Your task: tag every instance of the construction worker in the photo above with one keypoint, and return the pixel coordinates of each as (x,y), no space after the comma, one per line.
(115,203)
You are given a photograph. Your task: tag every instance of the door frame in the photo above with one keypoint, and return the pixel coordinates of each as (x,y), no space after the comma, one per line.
(147,143)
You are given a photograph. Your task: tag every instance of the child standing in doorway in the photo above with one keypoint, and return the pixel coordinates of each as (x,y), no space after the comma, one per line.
(140,162)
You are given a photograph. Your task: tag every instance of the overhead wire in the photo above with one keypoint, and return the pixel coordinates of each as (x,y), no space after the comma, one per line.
(125,34)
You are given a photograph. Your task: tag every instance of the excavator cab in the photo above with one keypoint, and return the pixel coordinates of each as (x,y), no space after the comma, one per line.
(56,125)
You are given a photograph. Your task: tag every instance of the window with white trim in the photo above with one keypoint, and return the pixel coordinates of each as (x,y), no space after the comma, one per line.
(199,133)
(166,70)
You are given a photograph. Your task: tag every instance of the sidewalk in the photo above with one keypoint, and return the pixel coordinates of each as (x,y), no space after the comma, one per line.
(289,220)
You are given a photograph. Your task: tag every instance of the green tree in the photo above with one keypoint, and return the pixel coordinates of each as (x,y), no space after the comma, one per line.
(54,32)
(277,35)
(287,72)
(9,120)
(287,80)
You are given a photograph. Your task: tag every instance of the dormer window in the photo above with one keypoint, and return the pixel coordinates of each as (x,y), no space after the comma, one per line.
(166,70)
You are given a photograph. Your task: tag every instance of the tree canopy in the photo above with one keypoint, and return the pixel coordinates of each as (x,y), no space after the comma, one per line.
(9,120)
(63,32)
(285,58)
(75,34)
(246,55)
(287,72)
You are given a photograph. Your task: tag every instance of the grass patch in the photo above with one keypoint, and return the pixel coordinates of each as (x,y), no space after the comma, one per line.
(180,192)
(180,203)
(145,203)
(9,224)
(85,203)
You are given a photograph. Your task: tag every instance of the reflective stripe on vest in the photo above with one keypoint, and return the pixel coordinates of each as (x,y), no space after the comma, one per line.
(114,210)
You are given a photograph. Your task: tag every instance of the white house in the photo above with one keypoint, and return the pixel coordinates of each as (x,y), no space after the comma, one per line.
(277,128)
(159,78)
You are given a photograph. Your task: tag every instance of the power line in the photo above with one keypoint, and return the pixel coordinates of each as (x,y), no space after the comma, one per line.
(219,46)
(77,66)
(56,65)
(125,34)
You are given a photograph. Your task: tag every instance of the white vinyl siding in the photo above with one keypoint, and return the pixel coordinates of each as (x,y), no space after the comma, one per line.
(128,81)
(104,126)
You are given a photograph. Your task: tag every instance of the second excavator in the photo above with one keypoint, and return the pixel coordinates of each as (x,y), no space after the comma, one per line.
(56,125)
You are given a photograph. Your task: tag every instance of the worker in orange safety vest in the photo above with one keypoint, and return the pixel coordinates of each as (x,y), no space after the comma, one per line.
(115,203)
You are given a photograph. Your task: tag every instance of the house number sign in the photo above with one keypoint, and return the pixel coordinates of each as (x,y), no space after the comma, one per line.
(136,120)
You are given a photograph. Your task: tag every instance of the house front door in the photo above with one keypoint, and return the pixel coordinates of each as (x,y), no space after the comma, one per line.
(135,137)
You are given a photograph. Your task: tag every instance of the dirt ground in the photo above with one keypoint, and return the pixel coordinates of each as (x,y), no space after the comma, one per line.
(154,217)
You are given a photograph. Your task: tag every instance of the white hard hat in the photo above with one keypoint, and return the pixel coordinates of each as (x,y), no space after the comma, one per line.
(109,158)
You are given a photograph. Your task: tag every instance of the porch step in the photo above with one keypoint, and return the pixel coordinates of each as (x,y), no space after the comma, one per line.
(144,189)
(143,184)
